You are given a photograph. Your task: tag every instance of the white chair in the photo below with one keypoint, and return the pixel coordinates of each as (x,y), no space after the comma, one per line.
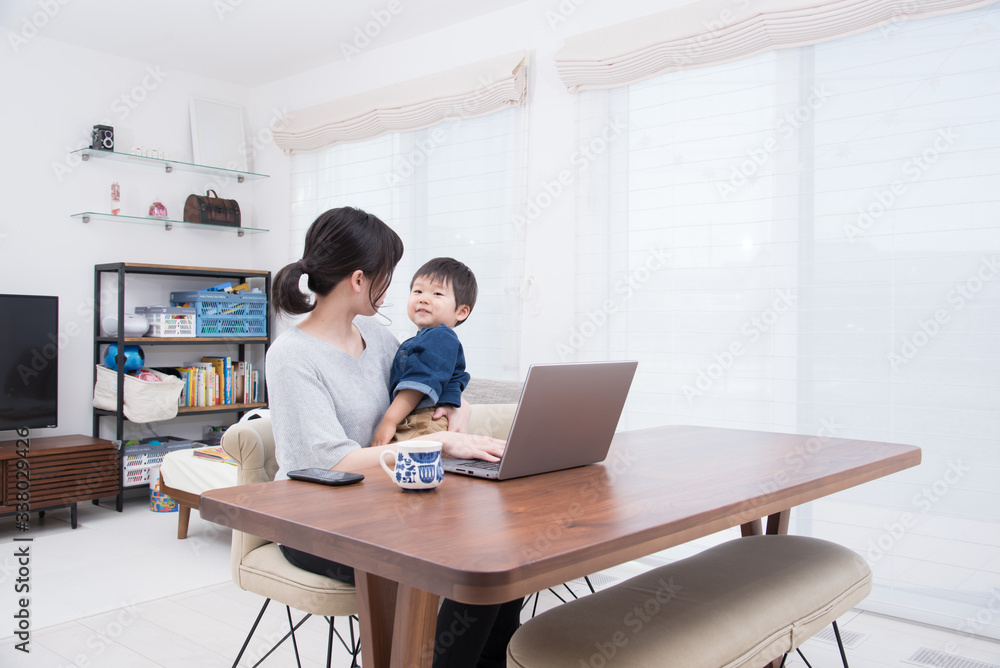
(258,565)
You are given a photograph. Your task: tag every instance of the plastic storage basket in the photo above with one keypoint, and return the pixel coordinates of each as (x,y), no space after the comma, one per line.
(224,314)
(141,458)
(167,321)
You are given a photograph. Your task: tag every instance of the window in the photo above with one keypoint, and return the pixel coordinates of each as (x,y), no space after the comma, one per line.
(808,240)
(448,190)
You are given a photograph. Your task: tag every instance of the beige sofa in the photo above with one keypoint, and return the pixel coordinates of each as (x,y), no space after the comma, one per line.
(184,477)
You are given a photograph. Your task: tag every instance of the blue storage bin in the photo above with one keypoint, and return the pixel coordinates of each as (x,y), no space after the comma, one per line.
(225,314)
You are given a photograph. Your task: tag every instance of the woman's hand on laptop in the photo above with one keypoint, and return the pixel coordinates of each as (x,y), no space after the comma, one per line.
(468,446)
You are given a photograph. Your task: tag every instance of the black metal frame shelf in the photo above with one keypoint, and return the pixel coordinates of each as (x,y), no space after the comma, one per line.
(122,269)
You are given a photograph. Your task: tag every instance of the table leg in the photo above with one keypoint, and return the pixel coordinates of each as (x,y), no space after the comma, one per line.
(376,613)
(752,528)
(397,623)
(777,524)
(413,631)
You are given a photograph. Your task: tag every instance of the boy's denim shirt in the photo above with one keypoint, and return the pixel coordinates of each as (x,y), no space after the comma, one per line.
(431,362)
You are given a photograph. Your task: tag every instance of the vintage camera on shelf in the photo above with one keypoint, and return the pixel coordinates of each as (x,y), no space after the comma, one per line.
(102,138)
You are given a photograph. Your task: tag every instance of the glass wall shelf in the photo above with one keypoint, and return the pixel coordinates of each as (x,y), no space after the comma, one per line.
(168,165)
(166,223)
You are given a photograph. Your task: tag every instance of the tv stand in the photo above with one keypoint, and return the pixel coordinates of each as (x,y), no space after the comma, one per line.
(63,471)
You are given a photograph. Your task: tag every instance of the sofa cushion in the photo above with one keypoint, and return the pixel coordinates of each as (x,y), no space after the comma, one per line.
(488,391)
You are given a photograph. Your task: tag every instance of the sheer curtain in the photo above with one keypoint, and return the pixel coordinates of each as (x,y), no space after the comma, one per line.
(448,190)
(808,240)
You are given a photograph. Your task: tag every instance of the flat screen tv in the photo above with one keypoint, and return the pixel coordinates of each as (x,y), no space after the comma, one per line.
(29,361)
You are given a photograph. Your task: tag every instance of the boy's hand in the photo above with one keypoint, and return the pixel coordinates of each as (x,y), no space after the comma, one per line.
(384,433)
(458,416)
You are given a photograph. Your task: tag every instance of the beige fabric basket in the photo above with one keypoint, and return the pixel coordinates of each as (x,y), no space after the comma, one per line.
(145,401)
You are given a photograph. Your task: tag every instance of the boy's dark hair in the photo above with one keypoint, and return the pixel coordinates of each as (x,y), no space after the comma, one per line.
(454,273)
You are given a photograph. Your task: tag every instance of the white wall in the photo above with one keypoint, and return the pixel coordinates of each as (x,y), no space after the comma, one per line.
(54,93)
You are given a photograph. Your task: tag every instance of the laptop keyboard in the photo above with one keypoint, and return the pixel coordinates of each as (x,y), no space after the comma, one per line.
(480,464)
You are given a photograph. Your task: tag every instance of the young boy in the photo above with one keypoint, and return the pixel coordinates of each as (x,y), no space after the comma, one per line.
(429,369)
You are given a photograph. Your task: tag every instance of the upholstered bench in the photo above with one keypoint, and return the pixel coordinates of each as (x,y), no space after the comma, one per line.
(183,477)
(743,603)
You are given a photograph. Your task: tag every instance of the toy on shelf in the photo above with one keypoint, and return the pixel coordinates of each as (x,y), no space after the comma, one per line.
(134,358)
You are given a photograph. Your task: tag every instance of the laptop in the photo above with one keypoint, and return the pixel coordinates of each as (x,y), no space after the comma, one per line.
(566,417)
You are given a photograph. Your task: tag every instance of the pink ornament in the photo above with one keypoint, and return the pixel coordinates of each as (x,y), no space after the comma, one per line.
(157,210)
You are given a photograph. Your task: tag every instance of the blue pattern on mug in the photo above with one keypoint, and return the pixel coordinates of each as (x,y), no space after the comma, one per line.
(416,471)
(429,466)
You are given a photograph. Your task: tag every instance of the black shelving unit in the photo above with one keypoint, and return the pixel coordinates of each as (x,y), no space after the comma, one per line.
(122,269)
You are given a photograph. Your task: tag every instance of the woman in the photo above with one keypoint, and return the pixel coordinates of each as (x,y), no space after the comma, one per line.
(327,381)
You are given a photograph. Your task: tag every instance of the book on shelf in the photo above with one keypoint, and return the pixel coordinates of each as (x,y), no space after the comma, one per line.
(224,369)
(244,381)
(218,381)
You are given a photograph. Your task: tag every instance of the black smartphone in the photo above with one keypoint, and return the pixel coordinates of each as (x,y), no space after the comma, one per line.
(326,476)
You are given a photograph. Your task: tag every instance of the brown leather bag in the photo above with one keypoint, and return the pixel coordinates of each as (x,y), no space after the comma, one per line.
(212,210)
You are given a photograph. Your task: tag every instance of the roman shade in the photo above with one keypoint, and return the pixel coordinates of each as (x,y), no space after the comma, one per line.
(464,92)
(713,32)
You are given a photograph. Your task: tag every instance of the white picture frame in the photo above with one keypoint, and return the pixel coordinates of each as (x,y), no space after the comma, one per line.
(218,137)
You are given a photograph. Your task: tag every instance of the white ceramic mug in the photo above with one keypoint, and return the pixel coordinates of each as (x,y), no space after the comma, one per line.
(418,465)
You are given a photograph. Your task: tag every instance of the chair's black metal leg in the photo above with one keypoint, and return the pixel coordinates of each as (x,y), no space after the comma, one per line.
(291,627)
(784,657)
(586,578)
(571,592)
(803,657)
(252,629)
(329,643)
(840,644)
(355,645)
(283,639)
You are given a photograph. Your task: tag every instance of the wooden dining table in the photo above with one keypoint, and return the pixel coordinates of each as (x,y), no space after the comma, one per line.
(480,541)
